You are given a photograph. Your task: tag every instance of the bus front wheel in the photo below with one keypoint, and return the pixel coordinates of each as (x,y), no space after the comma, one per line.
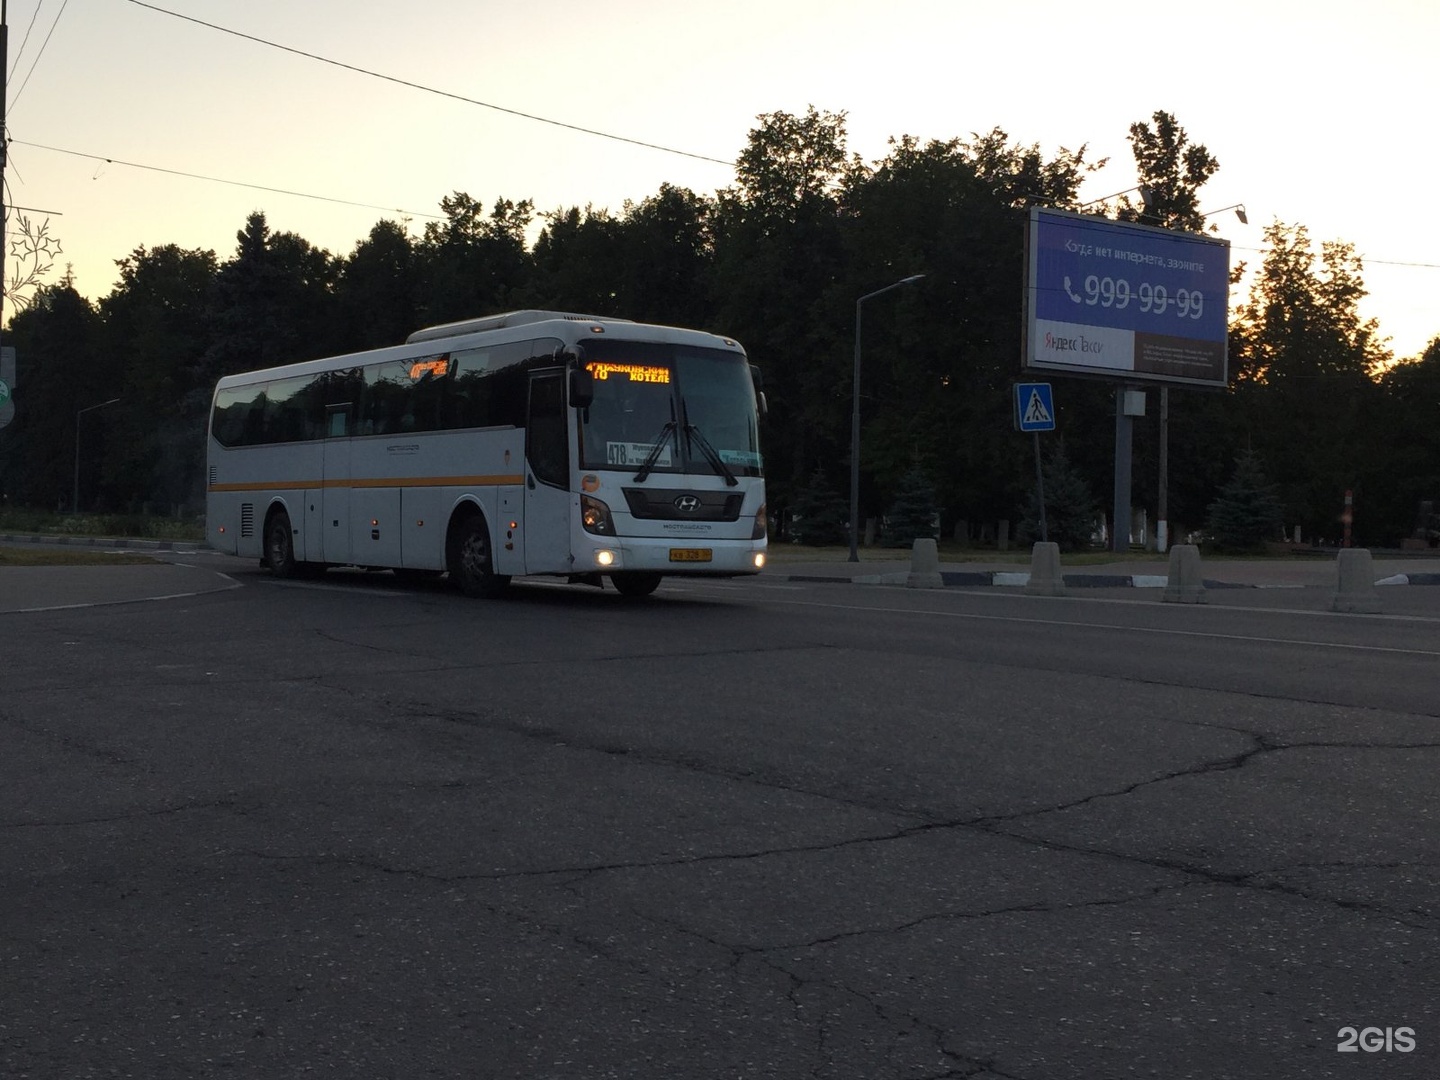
(634,584)
(471,565)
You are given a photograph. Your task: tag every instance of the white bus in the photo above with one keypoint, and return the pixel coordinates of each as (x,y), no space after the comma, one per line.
(533,442)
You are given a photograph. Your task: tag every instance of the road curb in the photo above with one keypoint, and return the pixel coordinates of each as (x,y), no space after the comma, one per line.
(969,579)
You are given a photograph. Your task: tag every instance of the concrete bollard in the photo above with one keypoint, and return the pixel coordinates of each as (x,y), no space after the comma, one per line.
(1184,585)
(1355,586)
(1045,576)
(924,565)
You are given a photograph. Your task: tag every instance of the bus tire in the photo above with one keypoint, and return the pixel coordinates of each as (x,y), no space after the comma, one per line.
(635,584)
(471,562)
(280,546)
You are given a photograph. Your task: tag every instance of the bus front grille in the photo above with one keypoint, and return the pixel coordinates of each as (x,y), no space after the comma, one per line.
(678,504)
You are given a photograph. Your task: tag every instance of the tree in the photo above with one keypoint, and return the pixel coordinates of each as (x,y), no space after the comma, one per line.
(60,369)
(1172,170)
(1405,471)
(913,513)
(473,264)
(1247,513)
(158,318)
(1302,359)
(777,252)
(939,358)
(376,290)
(1070,507)
(819,515)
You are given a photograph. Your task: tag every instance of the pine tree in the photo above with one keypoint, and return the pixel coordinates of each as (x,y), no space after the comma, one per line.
(1248,511)
(912,514)
(819,515)
(1070,508)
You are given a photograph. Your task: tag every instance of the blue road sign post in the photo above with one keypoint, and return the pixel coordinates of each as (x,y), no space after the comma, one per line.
(1035,412)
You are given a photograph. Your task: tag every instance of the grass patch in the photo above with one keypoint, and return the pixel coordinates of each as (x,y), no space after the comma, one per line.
(59,556)
(126,526)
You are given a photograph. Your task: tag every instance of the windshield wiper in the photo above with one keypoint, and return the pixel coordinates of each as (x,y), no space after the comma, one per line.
(715,460)
(654,455)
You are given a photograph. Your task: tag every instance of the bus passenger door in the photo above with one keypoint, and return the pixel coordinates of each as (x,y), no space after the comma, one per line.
(546,527)
(335,489)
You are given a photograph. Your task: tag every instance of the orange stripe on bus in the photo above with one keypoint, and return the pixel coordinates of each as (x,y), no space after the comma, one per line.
(377,482)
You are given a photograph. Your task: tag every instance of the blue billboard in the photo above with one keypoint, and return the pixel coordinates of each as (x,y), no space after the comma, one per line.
(1129,301)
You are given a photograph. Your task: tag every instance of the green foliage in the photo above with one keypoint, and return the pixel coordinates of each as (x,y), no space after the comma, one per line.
(1304,360)
(777,261)
(1173,170)
(819,515)
(1070,507)
(1248,512)
(913,513)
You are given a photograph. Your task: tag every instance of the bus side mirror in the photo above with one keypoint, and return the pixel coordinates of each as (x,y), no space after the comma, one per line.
(582,388)
(759,382)
(761,406)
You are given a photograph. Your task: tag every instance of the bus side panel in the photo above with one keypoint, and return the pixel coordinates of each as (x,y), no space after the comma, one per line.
(509,552)
(335,500)
(222,521)
(312,540)
(376,532)
(422,528)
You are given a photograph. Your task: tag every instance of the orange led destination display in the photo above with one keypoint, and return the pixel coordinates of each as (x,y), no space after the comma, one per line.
(635,372)
(437,367)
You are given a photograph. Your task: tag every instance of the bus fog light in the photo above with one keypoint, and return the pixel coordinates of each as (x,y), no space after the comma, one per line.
(759,559)
(604,557)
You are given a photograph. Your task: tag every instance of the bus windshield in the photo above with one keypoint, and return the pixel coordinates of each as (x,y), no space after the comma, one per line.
(677,408)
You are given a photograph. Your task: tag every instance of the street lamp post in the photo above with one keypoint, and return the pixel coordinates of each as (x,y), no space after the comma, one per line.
(75,495)
(855,421)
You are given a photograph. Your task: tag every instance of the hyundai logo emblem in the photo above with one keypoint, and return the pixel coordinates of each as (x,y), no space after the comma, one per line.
(687,504)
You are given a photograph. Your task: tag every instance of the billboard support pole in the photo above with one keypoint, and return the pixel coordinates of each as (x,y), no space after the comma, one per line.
(1120,523)
(1162,509)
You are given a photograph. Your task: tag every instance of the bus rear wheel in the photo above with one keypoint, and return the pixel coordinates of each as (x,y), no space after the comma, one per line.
(469,559)
(280,546)
(633,584)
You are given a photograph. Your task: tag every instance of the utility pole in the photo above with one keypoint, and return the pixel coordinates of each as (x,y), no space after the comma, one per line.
(4,148)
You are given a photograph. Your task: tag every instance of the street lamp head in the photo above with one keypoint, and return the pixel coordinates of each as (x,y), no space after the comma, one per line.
(1239,209)
(912,277)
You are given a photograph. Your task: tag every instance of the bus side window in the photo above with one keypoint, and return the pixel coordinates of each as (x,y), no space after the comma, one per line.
(338,418)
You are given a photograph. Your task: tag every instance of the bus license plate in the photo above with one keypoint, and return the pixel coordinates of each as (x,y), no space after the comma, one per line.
(689,554)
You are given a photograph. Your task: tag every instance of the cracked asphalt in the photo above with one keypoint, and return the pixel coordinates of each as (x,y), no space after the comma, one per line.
(751,829)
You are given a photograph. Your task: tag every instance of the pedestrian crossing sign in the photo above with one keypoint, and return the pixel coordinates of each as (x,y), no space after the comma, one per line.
(1034,407)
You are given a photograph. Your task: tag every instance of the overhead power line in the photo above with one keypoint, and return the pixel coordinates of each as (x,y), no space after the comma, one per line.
(432,90)
(222,180)
(41,53)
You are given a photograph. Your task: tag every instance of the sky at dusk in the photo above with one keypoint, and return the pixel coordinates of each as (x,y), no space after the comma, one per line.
(1318,112)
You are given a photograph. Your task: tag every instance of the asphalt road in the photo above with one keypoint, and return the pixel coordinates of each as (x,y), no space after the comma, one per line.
(755,829)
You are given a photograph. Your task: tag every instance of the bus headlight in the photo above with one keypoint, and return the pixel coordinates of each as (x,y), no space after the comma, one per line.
(758,533)
(595,516)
